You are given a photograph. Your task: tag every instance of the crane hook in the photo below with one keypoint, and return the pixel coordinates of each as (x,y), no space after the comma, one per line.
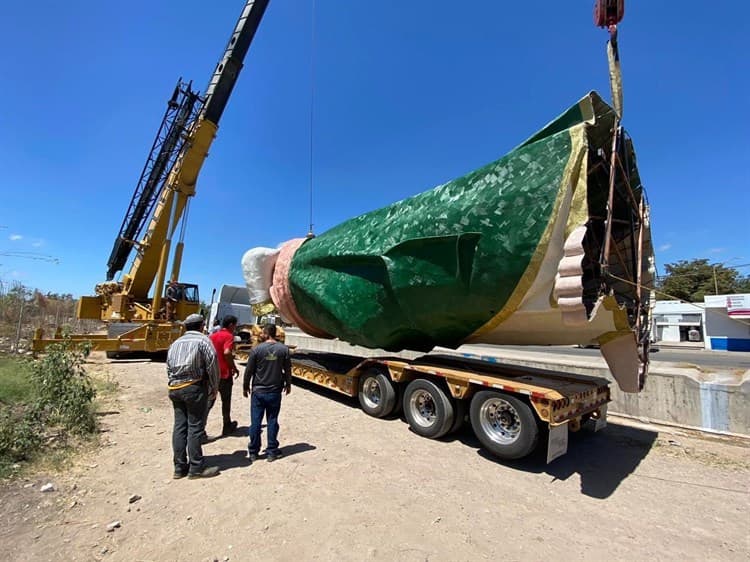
(608,13)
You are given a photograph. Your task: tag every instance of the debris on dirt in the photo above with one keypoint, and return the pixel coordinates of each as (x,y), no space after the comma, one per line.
(114,525)
(48,487)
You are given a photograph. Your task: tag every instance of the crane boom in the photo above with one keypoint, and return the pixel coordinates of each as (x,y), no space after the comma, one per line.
(180,185)
(161,201)
(182,109)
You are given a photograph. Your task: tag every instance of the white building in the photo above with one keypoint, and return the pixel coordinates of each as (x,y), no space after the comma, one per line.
(727,320)
(722,322)
(674,319)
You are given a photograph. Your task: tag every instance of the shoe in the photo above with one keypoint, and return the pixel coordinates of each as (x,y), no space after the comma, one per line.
(229,429)
(272,457)
(252,457)
(207,472)
(179,474)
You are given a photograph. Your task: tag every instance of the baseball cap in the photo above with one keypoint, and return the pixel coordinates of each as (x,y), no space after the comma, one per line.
(193,319)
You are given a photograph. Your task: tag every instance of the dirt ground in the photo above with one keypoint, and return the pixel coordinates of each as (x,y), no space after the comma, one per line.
(352,487)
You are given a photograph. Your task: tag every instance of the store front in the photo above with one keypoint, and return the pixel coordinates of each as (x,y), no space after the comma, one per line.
(728,322)
(676,321)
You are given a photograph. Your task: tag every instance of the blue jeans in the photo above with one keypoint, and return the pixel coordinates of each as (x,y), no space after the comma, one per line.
(189,405)
(268,403)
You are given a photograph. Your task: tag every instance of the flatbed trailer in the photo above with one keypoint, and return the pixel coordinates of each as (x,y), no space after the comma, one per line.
(509,408)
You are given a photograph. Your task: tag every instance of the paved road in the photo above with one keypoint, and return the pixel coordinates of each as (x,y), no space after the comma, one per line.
(699,357)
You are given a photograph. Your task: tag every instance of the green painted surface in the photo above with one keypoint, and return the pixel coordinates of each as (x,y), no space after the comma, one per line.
(431,269)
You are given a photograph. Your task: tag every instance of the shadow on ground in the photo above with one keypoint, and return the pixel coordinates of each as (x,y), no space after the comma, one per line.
(238,458)
(603,460)
(227,461)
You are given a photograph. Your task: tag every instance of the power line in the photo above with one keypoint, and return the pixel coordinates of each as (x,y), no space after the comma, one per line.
(30,256)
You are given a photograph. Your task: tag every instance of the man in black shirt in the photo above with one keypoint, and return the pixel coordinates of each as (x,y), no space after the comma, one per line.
(269,368)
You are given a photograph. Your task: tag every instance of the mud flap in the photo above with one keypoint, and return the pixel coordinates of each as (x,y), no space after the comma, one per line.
(601,419)
(557,442)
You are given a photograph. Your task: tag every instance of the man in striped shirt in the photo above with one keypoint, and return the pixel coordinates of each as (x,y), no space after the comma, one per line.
(193,378)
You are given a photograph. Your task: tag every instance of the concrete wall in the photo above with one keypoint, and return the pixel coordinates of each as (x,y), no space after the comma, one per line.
(673,395)
(680,398)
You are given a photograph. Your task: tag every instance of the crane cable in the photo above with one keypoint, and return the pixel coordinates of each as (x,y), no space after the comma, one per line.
(608,13)
(310,233)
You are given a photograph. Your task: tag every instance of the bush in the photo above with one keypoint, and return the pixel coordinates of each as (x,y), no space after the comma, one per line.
(21,434)
(64,391)
(60,402)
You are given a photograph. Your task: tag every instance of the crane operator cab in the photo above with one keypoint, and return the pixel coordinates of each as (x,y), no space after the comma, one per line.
(180,301)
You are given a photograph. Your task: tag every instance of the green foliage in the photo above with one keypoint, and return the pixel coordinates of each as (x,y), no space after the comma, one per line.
(21,434)
(64,390)
(57,399)
(15,381)
(692,280)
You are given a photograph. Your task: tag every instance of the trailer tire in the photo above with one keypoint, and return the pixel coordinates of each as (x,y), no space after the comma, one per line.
(460,409)
(428,410)
(377,393)
(398,407)
(505,425)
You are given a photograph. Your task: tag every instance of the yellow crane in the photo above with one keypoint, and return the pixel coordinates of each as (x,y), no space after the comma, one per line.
(137,320)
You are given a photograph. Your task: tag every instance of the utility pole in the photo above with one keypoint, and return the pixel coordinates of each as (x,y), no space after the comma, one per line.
(20,320)
(716,285)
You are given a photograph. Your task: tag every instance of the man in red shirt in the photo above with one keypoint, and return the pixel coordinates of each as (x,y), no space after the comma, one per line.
(223,341)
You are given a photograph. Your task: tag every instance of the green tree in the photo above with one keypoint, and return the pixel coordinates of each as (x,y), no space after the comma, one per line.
(691,280)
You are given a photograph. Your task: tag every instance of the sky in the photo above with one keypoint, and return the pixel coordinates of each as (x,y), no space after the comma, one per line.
(406,94)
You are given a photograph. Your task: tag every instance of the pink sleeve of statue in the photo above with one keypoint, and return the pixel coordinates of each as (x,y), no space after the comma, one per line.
(281,293)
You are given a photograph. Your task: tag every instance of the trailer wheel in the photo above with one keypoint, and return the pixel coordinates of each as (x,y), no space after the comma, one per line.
(428,409)
(505,425)
(460,409)
(377,393)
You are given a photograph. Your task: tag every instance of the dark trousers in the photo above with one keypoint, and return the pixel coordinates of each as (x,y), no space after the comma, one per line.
(225,391)
(268,403)
(189,405)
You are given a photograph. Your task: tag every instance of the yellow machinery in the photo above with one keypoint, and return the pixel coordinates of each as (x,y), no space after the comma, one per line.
(135,320)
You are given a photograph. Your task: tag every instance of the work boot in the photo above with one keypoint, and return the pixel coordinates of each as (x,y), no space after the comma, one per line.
(229,429)
(252,457)
(207,472)
(270,457)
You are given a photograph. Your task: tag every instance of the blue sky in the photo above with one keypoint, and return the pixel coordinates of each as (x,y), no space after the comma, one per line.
(408,94)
